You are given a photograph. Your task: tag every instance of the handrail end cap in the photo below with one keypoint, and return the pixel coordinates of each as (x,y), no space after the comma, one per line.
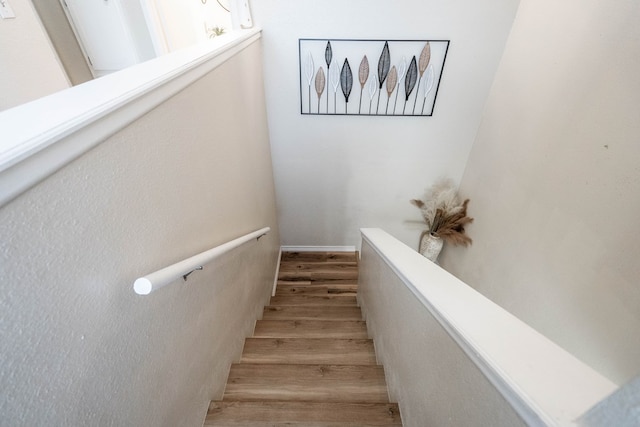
(142,286)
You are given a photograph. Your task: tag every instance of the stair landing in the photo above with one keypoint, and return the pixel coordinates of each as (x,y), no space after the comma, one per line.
(310,361)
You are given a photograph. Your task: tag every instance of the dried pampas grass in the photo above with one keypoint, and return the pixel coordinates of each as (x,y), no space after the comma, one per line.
(444,214)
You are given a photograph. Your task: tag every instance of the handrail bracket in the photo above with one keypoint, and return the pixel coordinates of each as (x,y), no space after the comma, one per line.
(187,275)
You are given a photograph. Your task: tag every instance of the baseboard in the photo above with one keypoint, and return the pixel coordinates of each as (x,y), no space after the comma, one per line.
(275,279)
(317,248)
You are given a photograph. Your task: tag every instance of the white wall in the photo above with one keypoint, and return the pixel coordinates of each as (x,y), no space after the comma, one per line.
(29,68)
(79,347)
(337,174)
(554,181)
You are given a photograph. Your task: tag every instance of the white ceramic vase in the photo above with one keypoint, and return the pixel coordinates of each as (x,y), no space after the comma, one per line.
(430,246)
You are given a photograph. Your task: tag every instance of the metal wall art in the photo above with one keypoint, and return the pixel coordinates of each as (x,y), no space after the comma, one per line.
(339,77)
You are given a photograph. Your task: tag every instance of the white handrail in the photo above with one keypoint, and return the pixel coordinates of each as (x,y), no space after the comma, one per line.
(153,281)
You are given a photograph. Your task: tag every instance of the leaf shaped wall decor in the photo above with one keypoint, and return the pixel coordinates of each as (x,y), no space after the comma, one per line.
(428,85)
(334,76)
(346,80)
(372,87)
(328,54)
(334,79)
(363,75)
(392,79)
(363,71)
(383,64)
(309,68)
(425,57)
(430,80)
(320,80)
(411,78)
(402,68)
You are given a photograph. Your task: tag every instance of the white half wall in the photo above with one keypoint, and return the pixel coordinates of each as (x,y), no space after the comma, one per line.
(424,321)
(428,374)
(79,347)
(29,66)
(554,181)
(337,174)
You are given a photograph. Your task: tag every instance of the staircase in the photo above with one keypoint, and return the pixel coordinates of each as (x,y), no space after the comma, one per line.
(309,362)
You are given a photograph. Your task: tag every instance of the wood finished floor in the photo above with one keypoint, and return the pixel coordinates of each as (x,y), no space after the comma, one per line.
(310,361)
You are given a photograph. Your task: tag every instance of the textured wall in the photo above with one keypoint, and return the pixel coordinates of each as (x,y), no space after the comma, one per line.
(428,374)
(337,174)
(29,68)
(79,347)
(554,181)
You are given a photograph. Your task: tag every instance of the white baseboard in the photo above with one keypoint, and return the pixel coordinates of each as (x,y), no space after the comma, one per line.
(317,248)
(275,279)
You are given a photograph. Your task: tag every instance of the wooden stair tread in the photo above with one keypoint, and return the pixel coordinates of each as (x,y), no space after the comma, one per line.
(317,281)
(254,414)
(310,362)
(312,313)
(318,382)
(309,351)
(310,329)
(314,271)
(314,276)
(321,257)
(328,299)
(314,266)
(288,288)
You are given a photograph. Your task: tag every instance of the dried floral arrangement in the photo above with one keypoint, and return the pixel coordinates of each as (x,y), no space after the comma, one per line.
(444,214)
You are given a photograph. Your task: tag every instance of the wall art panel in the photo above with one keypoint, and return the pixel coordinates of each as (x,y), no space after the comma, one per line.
(370,77)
